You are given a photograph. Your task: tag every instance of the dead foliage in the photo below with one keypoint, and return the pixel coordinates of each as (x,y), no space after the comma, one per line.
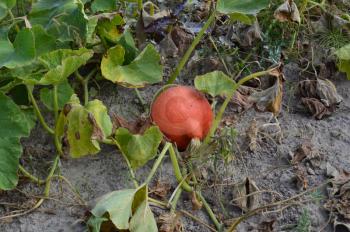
(338,203)
(288,11)
(319,96)
(170,222)
(138,126)
(243,195)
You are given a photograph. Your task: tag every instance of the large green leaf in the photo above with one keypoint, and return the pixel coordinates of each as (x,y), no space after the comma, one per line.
(344,59)
(62,63)
(14,124)
(143,219)
(21,52)
(251,7)
(82,127)
(128,209)
(5,6)
(214,83)
(144,69)
(139,149)
(64,92)
(118,205)
(64,19)
(28,44)
(103,5)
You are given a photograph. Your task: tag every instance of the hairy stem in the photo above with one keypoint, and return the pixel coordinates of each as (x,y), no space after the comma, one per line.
(158,162)
(37,111)
(212,216)
(55,101)
(177,170)
(188,53)
(30,176)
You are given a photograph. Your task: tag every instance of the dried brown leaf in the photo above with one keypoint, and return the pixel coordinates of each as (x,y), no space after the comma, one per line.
(339,200)
(288,11)
(138,126)
(161,189)
(316,108)
(269,99)
(252,135)
(240,99)
(305,150)
(169,222)
(243,195)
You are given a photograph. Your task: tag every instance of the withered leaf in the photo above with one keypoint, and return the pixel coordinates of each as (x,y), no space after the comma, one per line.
(243,195)
(316,107)
(339,200)
(305,150)
(288,11)
(169,222)
(138,126)
(269,99)
(240,99)
(161,189)
(319,96)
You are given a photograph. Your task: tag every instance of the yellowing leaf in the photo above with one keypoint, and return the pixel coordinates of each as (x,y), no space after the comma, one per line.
(144,69)
(82,127)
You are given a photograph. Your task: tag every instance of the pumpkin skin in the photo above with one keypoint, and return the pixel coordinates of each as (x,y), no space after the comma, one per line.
(182,113)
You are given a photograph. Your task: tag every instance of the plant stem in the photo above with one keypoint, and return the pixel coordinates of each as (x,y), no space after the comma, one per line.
(30,176)
(175,200)
(48,179)
(188,53)
(85,83)
(131,171)
(177,170)
(228,99)
(37,111)
(139,4)
(142,101)
(55,101)
(158,162)
(212,216)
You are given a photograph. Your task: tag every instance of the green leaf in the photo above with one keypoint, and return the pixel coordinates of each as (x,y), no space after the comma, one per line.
(143,219)
(82,127)
(64,19)
(111,29)
(145,69)
(62,63)
(14,124)
(5,6)
(44,42)
(139,149)
(64,92)
(95,223)
(103,5)
(20,53)
(28,44)
(118,205)
(244,18)
(344,59)
(250,7)
(99,111)
(128,43)
(122,205)
(214,83)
